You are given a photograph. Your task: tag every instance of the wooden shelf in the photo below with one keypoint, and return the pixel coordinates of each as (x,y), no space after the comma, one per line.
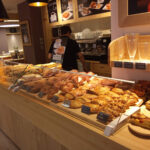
(18,33)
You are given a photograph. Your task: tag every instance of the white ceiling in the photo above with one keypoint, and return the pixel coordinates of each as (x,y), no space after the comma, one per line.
(11,5)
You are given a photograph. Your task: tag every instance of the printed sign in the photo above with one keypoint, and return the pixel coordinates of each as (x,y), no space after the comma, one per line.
(118,64)
(85,109)
(128,65)
(91,7)
(52,11)
(103,117)
(140,66)
(66,9)
(59,50)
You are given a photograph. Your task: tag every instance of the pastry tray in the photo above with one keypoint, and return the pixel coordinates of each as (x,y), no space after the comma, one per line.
(90,118)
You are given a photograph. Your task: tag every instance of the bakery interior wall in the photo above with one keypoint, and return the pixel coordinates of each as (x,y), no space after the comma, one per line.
(35,53)
(9,41)
(3,41)
(93,25)
(116,32)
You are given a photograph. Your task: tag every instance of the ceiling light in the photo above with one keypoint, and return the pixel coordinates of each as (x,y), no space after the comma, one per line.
(37,3)
(3,13)
(9,25)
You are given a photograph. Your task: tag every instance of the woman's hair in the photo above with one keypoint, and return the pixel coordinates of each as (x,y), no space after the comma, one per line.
(65,29)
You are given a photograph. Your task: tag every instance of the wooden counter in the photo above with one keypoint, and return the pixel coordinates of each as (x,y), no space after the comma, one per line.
(33,125)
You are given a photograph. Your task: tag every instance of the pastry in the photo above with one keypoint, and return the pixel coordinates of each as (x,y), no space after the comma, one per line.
(94,108)
(51,93)
(75,104)
(148,105)
(69,96)
(82,100)
(108,82)
(118,91)
(140,120)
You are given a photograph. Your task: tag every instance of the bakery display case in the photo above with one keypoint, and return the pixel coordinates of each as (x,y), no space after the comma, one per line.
(99,100)
(101,104)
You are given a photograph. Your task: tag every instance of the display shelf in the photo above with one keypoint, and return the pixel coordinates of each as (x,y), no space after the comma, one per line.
(119,45)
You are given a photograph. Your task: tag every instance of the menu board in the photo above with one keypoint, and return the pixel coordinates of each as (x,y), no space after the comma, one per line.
(66,9)
(52,11)
(91,7)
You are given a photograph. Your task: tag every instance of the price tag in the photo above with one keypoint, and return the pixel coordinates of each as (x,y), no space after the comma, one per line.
(23,87)
(41,94)
(118,64)
(103,117)
(16,89)
(54,99)
(140,66)
(11,87)
(128,65)
(85,109)
(66,103)
(57,57)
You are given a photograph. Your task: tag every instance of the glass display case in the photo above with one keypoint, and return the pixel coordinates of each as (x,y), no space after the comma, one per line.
(103,102)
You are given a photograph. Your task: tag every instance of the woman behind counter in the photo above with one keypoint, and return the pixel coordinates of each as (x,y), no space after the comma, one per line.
(65,51)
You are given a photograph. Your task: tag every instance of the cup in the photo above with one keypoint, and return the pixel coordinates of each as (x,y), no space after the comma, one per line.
(120,49)
(132,44)
(144,51)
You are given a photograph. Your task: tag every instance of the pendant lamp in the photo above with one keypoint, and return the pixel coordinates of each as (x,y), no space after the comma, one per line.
(37,3)
(3,13)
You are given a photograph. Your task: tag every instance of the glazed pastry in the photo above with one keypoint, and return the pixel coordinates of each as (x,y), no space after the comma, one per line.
(69,96)
(81,100)
(118,91)
(51,93)
(113,94)
(94,108)
(140,120)
(34,86)
(108,82)
(148,105)
(102,90)
(75,104)
(61,98)
(91,92)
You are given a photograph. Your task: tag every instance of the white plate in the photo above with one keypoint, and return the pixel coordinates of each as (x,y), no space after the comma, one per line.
(70,15)
(83,14)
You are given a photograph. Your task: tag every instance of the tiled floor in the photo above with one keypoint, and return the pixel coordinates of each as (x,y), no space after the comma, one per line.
(6,143)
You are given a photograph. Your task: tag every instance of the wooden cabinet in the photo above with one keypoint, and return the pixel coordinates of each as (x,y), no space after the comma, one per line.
(98,68)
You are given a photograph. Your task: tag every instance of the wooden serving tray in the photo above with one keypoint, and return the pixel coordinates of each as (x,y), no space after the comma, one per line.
(139,130)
